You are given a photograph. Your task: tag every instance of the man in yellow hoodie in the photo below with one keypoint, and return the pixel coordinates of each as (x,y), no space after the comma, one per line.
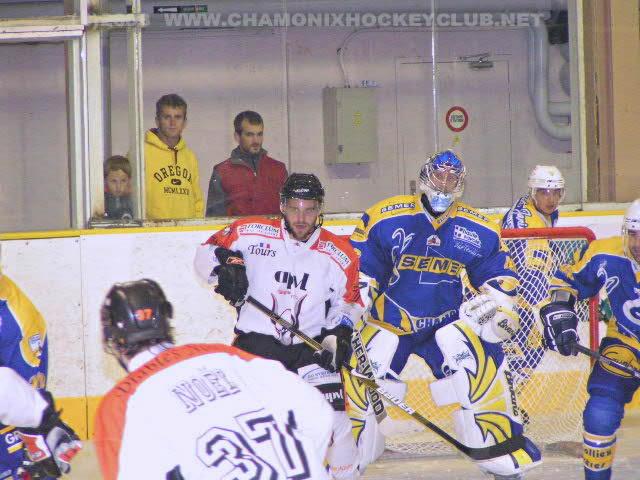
(172,180)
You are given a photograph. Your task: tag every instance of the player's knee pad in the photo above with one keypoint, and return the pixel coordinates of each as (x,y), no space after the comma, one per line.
(484,389)
(343,455)
(602,415)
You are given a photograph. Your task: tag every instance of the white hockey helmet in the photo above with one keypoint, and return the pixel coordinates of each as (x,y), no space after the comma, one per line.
(546,176)
(631,223)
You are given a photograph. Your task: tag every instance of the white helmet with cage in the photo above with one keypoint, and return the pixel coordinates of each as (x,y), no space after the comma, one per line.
(631,228)
(442,179)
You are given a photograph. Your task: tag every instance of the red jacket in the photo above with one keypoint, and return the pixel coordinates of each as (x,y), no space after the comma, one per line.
(243,191)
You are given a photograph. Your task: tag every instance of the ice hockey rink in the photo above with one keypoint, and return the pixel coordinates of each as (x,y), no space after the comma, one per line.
(393,466)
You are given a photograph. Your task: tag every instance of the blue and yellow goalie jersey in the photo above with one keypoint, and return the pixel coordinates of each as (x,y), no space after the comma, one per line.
(416,262)
(604,265)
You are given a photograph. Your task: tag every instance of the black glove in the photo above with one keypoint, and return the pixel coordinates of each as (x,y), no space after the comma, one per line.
(337,351)
(560,327)
(232,276)
(50,447)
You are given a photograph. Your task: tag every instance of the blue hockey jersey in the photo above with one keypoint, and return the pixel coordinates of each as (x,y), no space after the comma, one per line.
(604,265)
(23,348)
(417,261)
(524,214)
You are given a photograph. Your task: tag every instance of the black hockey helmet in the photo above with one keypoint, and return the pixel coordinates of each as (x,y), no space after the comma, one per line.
(302,185)
(133,313)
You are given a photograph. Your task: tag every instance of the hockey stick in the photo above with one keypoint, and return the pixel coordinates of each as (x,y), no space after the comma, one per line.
(483,453)
(364,366)
(602,359)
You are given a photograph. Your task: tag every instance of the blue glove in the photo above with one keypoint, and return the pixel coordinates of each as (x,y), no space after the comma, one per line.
(560,327)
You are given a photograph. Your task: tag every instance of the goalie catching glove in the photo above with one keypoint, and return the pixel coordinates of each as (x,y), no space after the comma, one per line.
(232,276)
(49,447)
(560,327)
(337,348)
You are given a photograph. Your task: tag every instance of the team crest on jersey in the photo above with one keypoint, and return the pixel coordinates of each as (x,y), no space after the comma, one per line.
(334,252)
(610,283)
(468,236)
(263,249)
(631,308)
(259,229)
(433,241)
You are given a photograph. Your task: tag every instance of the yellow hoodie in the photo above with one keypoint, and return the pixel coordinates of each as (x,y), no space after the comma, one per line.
(172,180)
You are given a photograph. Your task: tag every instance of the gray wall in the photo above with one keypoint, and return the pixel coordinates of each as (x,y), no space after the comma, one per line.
(221,73)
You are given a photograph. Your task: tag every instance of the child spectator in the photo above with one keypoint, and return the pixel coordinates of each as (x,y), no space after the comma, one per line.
(117,188)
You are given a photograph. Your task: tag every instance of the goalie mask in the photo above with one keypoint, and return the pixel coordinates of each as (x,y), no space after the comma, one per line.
(135,313)
(442,180)
(301,200)
(546,187)
(631,231)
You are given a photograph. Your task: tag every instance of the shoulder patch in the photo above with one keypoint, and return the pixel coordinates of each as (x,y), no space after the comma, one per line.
(391,207)
(263,229)
(471,212)
(335,252)
(397,206)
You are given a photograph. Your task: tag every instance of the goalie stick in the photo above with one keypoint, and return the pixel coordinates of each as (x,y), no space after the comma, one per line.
(482,453)
(609,361)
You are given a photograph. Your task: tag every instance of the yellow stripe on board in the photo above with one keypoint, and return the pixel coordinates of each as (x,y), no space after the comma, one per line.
(213,227)
(79,412)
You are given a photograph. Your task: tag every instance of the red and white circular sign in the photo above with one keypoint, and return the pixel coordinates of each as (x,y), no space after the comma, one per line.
(457,118)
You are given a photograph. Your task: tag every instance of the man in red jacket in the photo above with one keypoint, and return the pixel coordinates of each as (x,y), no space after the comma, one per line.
(249,181)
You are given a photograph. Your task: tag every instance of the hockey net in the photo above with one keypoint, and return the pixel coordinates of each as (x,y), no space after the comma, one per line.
(551,389)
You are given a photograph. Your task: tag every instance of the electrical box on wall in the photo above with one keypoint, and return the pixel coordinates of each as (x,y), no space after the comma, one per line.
(350,125)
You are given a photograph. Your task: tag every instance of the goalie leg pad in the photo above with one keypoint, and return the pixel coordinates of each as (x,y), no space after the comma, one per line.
(482,386)
(343,456)
(375,343)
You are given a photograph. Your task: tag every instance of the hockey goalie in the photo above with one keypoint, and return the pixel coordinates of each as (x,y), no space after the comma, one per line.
(413,250)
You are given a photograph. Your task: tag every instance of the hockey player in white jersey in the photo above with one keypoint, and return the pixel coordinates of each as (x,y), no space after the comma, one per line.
(303,273)
(200,411)
(49,443)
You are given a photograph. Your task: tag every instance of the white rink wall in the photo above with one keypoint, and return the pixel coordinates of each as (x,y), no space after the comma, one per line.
(67,279)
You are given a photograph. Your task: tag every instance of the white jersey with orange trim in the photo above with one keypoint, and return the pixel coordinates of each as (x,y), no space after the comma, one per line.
(211,411)
(312,284)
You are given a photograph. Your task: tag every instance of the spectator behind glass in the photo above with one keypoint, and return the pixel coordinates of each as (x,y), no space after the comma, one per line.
(249,181)
(171,174)
(117,188)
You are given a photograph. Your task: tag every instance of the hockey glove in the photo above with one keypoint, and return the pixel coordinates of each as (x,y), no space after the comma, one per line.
(50,447)
(232,276)
(560,327)
(337,348)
